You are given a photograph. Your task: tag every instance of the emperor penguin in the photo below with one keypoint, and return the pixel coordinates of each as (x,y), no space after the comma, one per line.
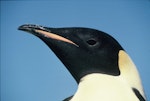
(98,63)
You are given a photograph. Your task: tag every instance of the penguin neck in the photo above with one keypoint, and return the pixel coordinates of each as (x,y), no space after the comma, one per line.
(91,77)
(96,83)
(93,84)
(96,86)
(96,79)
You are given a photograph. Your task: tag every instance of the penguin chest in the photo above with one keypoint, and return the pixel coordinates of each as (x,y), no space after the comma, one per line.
(100,87)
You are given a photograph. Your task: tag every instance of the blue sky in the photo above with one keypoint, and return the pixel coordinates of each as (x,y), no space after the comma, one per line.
(29,69)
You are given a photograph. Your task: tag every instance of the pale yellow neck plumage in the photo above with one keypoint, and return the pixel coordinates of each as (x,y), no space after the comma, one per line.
(103,87)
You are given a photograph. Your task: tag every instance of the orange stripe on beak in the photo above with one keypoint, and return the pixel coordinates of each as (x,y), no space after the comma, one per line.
(57,37)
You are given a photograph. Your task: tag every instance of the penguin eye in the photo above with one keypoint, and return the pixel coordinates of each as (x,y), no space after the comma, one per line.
(91,42)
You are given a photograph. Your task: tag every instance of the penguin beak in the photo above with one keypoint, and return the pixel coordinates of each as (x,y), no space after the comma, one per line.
(60,40)
(44,32)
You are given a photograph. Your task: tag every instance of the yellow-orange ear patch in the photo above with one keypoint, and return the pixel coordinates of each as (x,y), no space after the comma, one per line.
(129,72)
(125,64)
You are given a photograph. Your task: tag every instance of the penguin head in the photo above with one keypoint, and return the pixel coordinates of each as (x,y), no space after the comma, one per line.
(82,50)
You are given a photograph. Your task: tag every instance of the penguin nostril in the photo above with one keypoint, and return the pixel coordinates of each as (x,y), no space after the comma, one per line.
(91,42)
